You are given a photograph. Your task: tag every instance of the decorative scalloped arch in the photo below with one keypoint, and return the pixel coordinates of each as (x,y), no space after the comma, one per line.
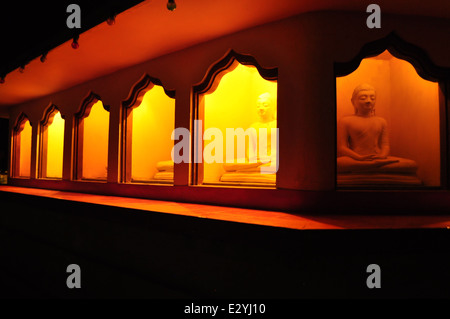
(84,111)
(20,122)
(424,67)
(87,103)
(141,87)
(49,114)
(210,82)
(15,156)
(401,50)
(226,62)
(47,120)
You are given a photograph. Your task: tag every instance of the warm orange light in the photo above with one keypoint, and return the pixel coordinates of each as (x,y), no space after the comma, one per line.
(55,147)
(409,104)
(233,105)
(25,150)
(95,143)
(152,124)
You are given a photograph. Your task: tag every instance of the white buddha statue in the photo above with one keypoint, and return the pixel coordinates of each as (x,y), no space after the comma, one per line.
(267,120)
(363,140)
(249,169)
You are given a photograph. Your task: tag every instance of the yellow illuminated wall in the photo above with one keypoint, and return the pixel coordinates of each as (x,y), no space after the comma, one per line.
(233,105)
(55,146)
(152,124)
(95,143)
(25,150)
(409,104)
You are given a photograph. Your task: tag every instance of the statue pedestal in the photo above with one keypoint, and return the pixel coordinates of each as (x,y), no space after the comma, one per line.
(392,171)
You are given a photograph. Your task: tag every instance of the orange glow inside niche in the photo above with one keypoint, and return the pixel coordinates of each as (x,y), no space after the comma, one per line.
(408,103)
(52,147)
(232,103)
(95,143)
(153,121)
(23,150)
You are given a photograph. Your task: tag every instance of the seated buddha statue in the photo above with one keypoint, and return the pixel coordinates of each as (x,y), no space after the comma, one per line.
(257,166)
(363,141)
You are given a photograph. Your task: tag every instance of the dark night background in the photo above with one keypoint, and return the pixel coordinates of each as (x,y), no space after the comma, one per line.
(28,29)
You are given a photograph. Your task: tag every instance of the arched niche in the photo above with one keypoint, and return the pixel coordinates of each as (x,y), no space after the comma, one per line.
(411,99)
(227,98)
(21,147)
(91,139)
(148,120)
(51,143)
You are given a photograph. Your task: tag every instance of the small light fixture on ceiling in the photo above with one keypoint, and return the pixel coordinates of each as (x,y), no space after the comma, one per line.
(75,44)
(44,57)
(171,5)
(111,20)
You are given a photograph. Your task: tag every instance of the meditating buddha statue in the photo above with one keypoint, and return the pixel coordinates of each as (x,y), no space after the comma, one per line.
(268,121)
(363,146)
(257,167)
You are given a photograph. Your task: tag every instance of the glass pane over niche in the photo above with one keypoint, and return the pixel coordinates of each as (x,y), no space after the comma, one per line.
(22,149)
(52,146)
(95,143)
(240,128)
(388,126)
(150,125)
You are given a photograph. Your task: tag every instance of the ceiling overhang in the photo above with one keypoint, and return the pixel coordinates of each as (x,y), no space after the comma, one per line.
(148,30)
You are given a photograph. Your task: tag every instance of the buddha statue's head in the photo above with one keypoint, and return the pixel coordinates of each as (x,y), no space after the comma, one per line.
(265,107)
(363,100)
